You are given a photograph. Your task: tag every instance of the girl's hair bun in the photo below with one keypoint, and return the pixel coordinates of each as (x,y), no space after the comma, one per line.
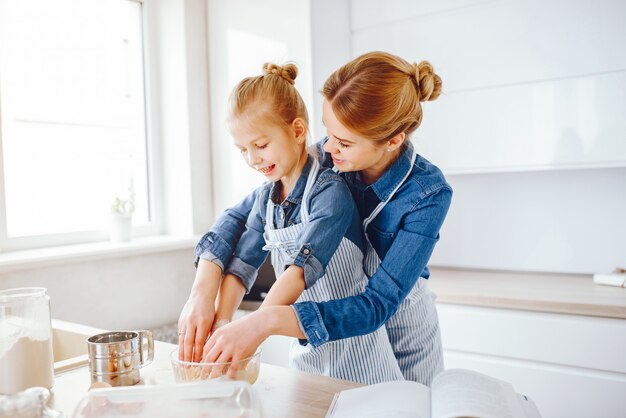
(288,71)
(428,82)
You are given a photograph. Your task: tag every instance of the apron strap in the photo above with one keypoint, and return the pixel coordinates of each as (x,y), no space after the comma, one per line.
(381,205)
(304,207)
(310,181)
(269,213)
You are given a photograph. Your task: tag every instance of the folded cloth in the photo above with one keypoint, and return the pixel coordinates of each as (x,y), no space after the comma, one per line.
(617,278)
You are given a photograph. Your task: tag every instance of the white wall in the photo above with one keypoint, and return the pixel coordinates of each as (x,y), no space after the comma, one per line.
(530,88)
(244,34)
(527,84)
(124,292)
(330,47)
(554,221)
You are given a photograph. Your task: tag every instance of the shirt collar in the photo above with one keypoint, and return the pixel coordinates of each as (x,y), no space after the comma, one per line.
(393,175)
(295,196)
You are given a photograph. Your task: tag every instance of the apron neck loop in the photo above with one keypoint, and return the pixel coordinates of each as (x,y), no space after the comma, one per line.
(382,204)
(304,208)
(310,181)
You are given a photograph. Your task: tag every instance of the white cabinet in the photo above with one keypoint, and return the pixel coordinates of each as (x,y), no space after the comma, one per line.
(572,366)
(274,350)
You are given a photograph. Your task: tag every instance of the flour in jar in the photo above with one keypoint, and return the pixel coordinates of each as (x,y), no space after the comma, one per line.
(25,363)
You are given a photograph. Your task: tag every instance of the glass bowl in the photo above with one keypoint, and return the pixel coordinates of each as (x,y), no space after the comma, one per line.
(246,370)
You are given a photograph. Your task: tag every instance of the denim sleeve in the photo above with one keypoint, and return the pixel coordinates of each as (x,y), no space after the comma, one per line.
(249,254)
(331,213)
(390,284)
(218,244)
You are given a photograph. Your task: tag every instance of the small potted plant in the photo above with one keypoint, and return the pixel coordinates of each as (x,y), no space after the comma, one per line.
(122,219)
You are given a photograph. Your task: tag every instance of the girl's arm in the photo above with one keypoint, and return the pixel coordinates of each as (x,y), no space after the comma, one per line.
(213,251)
(217,248)
(196,317)
(218,245)
(229,298)
(333,215)
(220,242)
(287,288)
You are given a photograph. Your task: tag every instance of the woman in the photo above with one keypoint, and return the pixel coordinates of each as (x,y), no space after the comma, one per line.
(371,106)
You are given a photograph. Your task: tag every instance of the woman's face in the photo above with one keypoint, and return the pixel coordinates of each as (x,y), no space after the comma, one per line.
(350,152)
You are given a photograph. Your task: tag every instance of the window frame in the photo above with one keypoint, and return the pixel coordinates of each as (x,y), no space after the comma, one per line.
(154,167)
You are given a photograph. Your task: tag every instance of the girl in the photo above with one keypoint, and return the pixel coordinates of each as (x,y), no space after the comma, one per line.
(306,218)
(372,104)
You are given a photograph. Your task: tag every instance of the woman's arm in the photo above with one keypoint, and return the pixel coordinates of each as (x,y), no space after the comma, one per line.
(390,284)
(240,339)
(285,291)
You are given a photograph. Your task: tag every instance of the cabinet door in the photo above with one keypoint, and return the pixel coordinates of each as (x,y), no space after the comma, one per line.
(571,366)
(276,350)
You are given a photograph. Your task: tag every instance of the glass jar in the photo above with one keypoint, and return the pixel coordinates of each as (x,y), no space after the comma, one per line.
(25,340)
(31,403)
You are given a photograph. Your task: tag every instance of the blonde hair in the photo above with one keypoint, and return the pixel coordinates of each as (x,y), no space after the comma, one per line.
(378,95)
(271,96)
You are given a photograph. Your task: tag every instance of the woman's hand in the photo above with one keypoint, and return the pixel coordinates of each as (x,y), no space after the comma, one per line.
(237,340)
(196,319)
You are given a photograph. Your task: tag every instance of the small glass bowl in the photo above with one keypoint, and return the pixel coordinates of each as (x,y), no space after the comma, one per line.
(246,370)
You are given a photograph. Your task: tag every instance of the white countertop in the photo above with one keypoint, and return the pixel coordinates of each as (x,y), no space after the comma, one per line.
(574,294)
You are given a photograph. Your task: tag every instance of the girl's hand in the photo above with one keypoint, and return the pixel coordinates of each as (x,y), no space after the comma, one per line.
(194,326)
(219,322)
(196,318)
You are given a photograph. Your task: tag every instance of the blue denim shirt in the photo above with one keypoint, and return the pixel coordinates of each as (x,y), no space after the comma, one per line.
(403,234)
(332,216)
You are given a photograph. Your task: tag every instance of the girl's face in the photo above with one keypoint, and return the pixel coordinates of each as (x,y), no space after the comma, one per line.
(350,152)
(273,150)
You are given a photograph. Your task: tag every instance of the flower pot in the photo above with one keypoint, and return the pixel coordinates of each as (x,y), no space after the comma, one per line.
(121,227)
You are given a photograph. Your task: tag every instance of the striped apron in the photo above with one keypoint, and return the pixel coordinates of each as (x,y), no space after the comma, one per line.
(414,329)
(365,359)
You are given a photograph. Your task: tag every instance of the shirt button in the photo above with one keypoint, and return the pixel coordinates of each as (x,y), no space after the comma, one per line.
(306,251)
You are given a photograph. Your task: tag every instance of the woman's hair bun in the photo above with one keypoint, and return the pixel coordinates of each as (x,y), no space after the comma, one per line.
(288,71)
(428,82)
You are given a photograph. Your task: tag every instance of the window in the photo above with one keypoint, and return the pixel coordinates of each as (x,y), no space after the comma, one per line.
(72,120)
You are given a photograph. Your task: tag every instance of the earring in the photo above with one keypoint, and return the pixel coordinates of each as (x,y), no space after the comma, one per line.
(388,149)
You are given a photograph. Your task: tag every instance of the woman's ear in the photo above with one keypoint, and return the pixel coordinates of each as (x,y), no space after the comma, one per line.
(299,129)
(395,142)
